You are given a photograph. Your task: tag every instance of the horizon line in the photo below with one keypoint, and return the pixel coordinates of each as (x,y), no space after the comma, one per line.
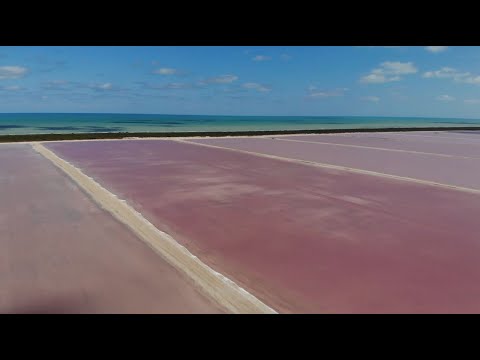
(223,115)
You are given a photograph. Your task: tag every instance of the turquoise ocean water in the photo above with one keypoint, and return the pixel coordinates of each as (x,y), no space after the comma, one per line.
(88,123)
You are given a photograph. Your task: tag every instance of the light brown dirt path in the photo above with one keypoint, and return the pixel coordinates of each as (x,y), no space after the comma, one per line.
(213,284)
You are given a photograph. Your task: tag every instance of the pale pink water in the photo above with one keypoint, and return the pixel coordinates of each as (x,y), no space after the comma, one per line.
(399,142)
(450,171)
(60,253)
(302,239)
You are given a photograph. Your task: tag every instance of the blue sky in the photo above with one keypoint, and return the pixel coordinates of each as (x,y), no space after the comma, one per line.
(434,81)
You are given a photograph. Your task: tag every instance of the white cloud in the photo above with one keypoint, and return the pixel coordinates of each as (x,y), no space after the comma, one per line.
(166,71)
(61,85)
(105,86)
(286,57)
(397,68)
(389,71)
(11,88)
(256,86)
(385,47)
(222,79)
(315,93)
(374,99)
(451,73)
(472,80)
(101,87)
(173,86)
(12,72)
(261,58)
(445,98)
(436,49)
(57,82)
(472,101)
(444,72)
(378,79)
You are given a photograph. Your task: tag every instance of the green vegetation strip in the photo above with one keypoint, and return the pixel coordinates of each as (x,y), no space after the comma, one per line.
(120,135)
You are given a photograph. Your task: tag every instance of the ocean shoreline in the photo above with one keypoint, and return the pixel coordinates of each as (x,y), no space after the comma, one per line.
(181,134)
